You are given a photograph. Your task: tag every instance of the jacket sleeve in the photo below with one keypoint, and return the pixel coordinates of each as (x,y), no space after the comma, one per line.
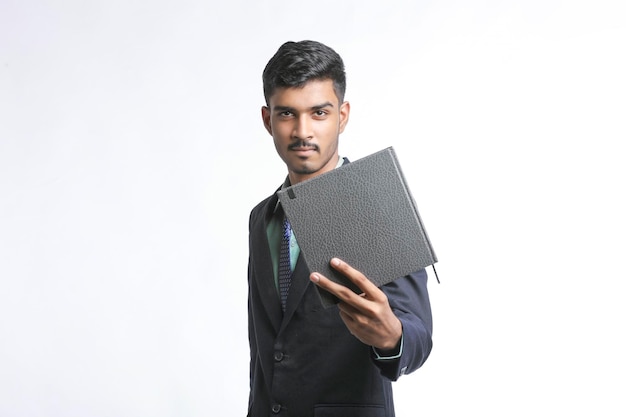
(408,298)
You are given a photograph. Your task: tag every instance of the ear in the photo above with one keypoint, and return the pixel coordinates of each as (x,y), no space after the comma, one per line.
(265,114)
(344,115)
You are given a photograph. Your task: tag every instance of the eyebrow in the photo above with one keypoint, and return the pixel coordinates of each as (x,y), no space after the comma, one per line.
(313,108)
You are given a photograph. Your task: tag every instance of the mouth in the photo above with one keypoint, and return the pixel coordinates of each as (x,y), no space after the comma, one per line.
(303,149)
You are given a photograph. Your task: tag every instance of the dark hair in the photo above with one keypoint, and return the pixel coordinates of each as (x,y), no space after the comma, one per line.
(296,63)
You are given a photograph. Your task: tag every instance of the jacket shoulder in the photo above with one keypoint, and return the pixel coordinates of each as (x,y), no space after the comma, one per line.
(260,209)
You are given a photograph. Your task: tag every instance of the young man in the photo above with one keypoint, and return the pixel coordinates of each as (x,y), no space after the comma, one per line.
(306,360)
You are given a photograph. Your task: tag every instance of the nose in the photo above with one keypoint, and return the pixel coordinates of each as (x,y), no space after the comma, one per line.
(302,128)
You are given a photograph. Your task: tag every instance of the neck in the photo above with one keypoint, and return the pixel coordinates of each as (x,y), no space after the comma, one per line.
(296,177)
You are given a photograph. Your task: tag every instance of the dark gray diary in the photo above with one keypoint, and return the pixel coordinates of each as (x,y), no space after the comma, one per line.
(362,213)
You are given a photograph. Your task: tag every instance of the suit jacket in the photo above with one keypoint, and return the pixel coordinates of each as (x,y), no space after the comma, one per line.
(305,363)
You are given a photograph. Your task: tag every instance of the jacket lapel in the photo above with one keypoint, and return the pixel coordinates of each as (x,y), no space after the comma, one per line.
(265,270)
(299,283)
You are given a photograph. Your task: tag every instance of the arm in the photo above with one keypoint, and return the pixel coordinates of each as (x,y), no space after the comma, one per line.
(396,318)
(408,298)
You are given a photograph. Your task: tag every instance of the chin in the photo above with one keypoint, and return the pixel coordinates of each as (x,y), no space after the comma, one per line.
(305,170)
(305,167)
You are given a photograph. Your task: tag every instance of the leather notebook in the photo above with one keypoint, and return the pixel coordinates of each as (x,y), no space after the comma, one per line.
(363,213)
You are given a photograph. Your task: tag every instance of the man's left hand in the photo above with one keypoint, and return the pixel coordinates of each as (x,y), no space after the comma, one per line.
(368,315)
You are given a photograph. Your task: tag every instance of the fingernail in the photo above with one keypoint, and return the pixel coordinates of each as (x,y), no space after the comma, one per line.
(335,262)
(315,278)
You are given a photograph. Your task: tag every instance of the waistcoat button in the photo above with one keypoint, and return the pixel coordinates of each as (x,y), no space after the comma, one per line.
(278,356)
(276,408)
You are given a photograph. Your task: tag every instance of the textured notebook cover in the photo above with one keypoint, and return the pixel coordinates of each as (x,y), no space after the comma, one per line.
(363,213)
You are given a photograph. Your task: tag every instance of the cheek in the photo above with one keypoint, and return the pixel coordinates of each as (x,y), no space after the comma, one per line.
(330,131)
(281,131)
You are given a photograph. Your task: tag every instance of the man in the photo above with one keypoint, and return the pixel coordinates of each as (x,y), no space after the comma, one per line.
(306,360)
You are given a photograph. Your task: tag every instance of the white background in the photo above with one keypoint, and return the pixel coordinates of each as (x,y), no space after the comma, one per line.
(132,150)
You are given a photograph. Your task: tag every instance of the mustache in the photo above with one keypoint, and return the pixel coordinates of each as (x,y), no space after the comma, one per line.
(302,144)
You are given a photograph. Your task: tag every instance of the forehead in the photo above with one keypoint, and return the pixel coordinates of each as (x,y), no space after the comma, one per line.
(312,93)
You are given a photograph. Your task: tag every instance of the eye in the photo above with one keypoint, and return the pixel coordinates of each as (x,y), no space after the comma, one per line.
(321,113)
(285,113)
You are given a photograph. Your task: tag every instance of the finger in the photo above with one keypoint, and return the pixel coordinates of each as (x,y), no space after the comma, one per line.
(349,310)
(369,289)
(340,291)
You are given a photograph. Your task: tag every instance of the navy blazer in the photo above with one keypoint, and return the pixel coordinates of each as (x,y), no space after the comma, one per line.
(305,362)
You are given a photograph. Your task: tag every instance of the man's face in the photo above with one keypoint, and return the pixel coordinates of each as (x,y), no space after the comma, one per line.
(305,123)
